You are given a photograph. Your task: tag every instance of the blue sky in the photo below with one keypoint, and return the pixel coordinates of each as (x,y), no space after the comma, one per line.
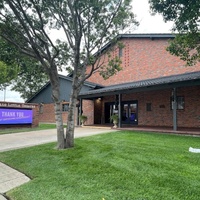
(148,24)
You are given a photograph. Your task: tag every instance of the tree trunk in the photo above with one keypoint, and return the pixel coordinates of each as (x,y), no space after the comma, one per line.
(59,125)
(55,84)
(71,118)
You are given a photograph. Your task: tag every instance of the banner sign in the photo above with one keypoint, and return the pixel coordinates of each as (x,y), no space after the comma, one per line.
(15,116)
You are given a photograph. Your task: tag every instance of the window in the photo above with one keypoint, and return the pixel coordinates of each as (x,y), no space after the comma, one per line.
(148,107)
(120,52)
(180,103)
(65,107)
(41,108)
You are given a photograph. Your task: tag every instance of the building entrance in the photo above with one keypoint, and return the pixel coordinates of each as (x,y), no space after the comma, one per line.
(129,112)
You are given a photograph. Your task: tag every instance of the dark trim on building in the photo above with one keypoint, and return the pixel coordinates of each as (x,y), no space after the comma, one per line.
(180,80)
(86,83)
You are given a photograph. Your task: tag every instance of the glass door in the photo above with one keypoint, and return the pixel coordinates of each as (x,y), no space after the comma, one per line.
(129,112)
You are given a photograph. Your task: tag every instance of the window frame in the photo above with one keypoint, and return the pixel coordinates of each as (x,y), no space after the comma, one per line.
(65,107)
(148,107)
(180,103)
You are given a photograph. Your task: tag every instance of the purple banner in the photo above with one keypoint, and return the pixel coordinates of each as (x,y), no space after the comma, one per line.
(15,116)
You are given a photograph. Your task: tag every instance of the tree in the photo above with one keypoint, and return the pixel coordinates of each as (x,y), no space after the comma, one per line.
(25,24)
(87,26)
(186,17)
(8,67)
(25,75)
(7,73)
(30,78)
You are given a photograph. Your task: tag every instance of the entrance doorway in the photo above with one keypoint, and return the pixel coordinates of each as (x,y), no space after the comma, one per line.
(129,112)
(109,111)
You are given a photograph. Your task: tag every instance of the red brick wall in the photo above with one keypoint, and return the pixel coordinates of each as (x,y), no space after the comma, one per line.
(88,110)
(48,115)
(144,59)
(190,117)
(35,116)
(161,113)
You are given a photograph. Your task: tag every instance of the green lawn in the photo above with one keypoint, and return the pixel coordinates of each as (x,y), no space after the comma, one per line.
(122,165)
(18,130)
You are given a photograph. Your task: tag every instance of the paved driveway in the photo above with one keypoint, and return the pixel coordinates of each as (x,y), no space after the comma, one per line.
(25,139)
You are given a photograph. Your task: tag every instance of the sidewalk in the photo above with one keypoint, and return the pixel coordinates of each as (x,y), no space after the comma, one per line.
(25,139)
(11,178)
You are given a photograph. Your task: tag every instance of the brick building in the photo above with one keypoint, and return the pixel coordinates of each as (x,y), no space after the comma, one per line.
(153,89)
(45,103)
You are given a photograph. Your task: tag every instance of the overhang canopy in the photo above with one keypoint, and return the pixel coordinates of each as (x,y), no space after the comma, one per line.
(180,80)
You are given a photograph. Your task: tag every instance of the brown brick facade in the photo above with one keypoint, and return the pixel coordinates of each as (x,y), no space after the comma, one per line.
(88,110)
(47,114)
(161,113)
(144,58)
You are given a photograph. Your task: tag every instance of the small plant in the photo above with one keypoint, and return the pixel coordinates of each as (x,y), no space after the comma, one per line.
(115,119)
(83,119)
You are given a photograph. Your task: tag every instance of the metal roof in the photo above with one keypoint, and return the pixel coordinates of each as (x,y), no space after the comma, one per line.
(147,35)
(67,78)
(148,84)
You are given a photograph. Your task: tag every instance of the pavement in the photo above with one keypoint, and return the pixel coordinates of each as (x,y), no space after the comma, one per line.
(11,178)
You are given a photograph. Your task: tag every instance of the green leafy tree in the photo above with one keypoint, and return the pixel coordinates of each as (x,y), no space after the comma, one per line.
(186,17)
(26,25)
(87,26)
(8,66)
(7,74)
(30,79)
(23,74)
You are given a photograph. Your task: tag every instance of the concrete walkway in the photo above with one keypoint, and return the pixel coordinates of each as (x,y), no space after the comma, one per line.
(11,178)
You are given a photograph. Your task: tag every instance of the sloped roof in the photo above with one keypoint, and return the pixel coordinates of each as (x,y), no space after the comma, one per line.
(156,83)
(67,78)
(147,35)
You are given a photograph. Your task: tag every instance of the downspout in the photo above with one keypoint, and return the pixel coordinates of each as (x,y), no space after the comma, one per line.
(80,111)
(119,111)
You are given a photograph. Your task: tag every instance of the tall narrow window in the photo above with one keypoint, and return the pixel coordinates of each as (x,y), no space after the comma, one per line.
(148,107)
(120,52)
(41,108)
(180,103)
(65,107)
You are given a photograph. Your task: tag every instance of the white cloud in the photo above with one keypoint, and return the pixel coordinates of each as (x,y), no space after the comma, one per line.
(149,23)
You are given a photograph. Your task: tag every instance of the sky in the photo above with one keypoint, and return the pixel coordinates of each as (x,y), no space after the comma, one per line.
(148,24)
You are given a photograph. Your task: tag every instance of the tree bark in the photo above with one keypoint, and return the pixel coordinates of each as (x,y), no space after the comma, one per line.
(55,84)
(59,125)
(71,117)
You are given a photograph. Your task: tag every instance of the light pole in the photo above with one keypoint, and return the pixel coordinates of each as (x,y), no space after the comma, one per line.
(5,93)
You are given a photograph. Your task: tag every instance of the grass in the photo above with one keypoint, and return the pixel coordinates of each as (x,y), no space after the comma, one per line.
(18,130)
(122,165)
